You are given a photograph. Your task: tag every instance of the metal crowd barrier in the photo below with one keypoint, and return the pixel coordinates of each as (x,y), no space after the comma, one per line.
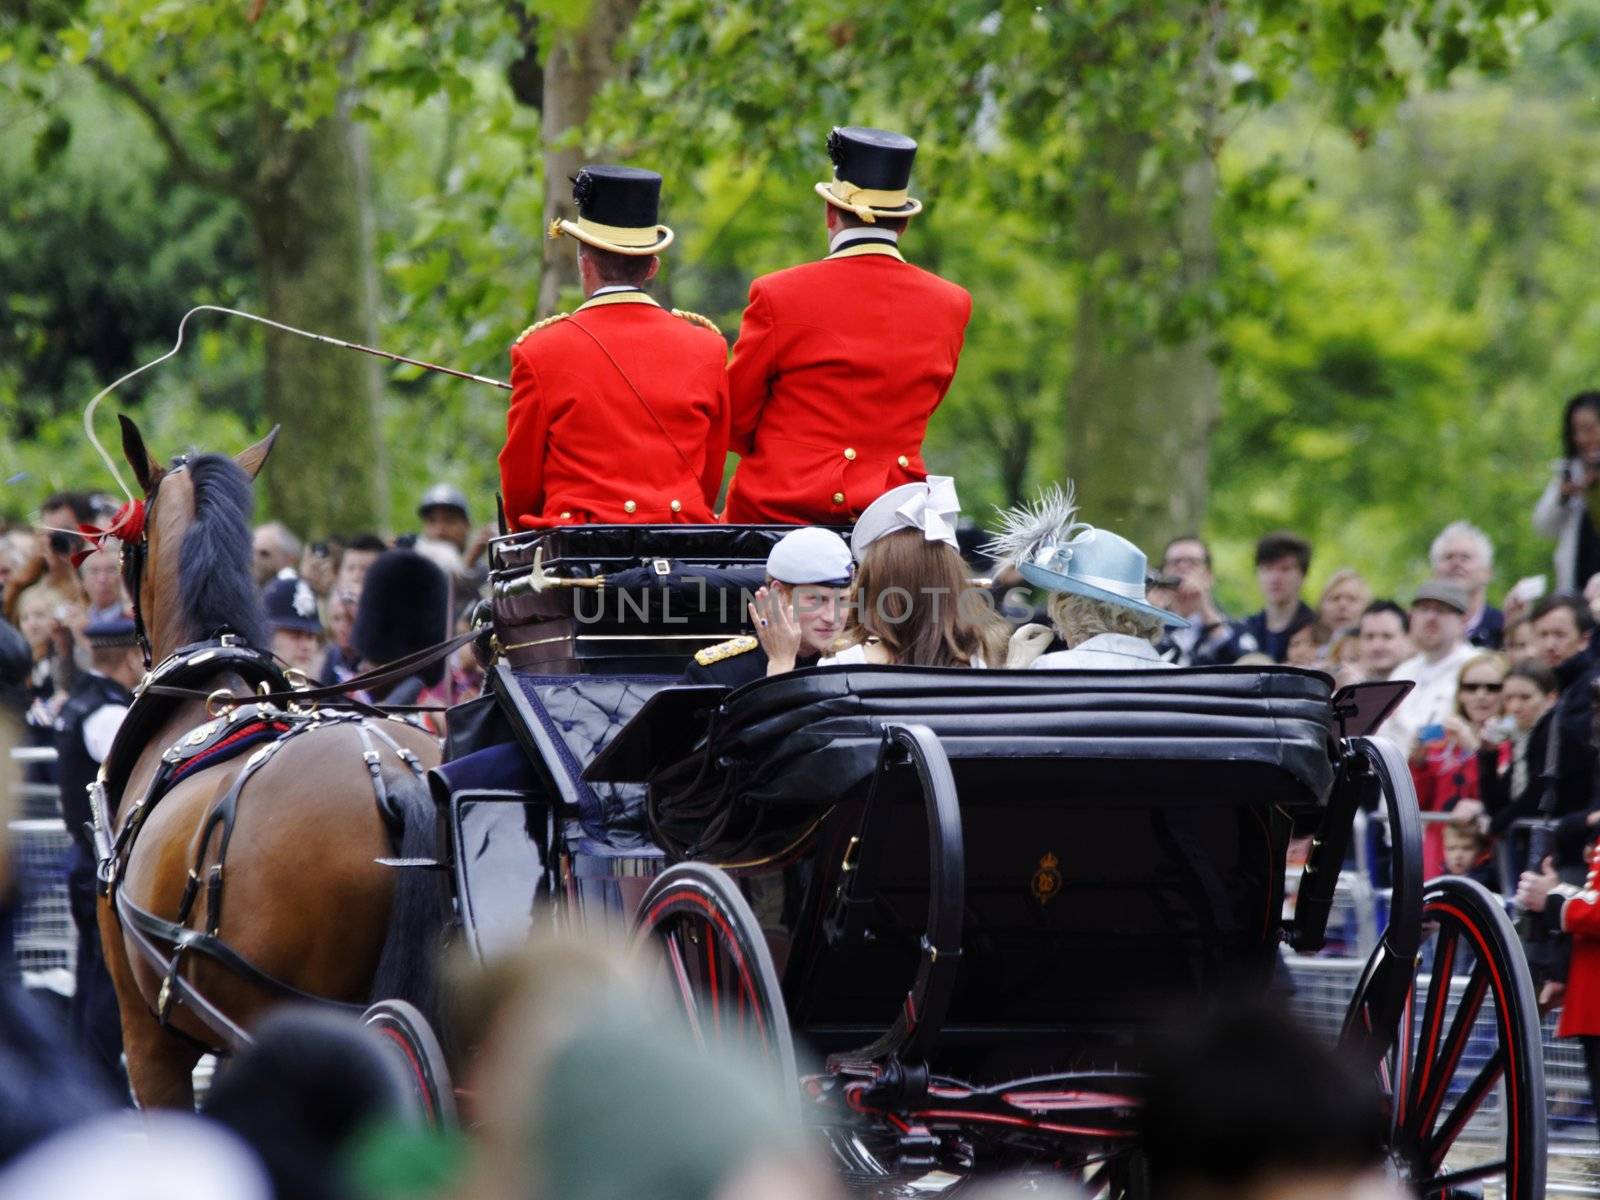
(43,936)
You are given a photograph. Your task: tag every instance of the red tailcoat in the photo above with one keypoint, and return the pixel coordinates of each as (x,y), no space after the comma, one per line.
(584,447)
(838,366)
(1580,916)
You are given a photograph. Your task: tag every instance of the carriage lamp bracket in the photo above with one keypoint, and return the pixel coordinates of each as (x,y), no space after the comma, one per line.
(899,1085)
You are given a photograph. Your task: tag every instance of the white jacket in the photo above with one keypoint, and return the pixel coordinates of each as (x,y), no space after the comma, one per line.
(1106,652)
(1558,517)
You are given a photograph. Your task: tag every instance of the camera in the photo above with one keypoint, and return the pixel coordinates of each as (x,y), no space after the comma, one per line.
(63,543)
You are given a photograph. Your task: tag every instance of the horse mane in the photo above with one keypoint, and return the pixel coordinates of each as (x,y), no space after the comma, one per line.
(216,588)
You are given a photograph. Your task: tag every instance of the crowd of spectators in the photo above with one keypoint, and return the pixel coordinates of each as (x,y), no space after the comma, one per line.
(311,595)
(1491,683)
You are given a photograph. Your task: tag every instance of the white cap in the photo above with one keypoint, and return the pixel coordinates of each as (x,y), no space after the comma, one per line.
(810,555)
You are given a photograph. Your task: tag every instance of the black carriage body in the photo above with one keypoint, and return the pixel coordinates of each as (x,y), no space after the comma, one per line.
(1122,840)
(970,894)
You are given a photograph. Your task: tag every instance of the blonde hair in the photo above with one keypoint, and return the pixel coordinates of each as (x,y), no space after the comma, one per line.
(1342,576)
(1489,658)
(1079,618)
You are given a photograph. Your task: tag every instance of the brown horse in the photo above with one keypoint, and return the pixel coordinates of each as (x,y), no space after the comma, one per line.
(307,904)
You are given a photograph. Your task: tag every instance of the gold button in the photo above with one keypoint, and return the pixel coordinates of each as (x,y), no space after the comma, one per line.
(676,506)
(850,454)
(903,461)
(629,506)
(566,516)
(838,497)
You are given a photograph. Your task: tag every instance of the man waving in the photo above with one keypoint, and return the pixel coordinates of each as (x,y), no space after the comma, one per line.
(840,363)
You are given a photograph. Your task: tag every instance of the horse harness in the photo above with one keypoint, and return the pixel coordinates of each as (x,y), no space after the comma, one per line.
(258,726)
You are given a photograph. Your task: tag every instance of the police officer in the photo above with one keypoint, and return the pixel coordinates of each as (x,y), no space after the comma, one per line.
(87,724)
(810,569)
(619,411)
(840,363)
(292,615)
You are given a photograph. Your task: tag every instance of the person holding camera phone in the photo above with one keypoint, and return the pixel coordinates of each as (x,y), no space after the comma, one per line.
(1562,512)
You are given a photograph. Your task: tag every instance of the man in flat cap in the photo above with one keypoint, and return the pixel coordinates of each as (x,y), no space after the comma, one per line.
(840,363)
(809,569)
(619,410)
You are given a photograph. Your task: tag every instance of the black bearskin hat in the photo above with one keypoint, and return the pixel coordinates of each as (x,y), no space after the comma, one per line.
(405,607)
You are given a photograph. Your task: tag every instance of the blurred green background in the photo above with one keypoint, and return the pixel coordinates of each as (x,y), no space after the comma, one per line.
(1328,266)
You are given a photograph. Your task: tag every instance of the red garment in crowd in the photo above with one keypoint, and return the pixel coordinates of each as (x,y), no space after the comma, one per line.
(1580,916)
(1448,775)
(619,413)
(838,366)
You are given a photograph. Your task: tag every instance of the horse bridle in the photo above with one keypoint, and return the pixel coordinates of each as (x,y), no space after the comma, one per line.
(136,552)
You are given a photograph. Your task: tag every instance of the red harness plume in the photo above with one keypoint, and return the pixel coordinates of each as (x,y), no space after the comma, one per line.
(127,525)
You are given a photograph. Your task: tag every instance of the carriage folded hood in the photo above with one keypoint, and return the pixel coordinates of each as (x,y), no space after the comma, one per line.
(811,738)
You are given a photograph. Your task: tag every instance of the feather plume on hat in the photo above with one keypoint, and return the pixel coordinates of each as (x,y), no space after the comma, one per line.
(1028,528)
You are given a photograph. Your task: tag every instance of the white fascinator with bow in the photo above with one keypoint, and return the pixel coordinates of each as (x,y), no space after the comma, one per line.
(931,507)
(1054,550)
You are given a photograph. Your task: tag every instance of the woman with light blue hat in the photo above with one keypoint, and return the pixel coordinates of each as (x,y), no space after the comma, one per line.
(1096,581)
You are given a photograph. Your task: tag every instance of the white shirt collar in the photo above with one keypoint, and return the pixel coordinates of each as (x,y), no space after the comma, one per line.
(858,233)
(613,287)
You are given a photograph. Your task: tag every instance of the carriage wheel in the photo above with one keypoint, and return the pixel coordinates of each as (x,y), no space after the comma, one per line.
(1465,1080)
(406,1032)
(715,961)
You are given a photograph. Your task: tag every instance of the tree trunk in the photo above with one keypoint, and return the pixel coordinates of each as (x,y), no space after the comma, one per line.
(581,62)
(315,241)
(1140,410)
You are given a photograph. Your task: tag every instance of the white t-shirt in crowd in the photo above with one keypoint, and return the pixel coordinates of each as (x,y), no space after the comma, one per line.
(1433,699)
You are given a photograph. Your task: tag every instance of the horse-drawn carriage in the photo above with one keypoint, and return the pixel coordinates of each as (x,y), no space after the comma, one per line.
(949,906)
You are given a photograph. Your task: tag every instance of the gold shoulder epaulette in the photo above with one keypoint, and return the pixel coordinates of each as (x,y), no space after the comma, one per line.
(697,319)
(537,325)
(727,649)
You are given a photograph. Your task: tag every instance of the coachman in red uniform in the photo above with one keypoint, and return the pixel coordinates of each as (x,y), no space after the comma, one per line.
(840,363)
(619,410)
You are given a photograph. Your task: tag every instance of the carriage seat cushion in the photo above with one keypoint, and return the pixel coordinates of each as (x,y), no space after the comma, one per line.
(562,722)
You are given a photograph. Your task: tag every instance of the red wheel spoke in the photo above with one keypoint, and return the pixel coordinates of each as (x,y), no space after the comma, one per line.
(1439,1144)
(1443,1068)
(680,972)
(711,981)
(1399,1080)
(1470,1175)
(1421,1073)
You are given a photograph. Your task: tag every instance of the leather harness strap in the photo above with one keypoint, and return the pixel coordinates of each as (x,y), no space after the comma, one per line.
(228,736)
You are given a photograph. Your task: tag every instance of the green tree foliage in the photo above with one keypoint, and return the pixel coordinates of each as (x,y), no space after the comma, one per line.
(1399,302)
(1423,312)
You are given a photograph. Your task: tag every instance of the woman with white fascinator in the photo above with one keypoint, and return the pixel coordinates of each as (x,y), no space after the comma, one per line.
(1096,581)
(912,602)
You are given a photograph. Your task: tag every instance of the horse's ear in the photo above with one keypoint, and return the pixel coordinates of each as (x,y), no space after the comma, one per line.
(145,468)
(252,458)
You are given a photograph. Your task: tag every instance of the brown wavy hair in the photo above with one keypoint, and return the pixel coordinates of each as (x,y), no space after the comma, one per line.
(917,598)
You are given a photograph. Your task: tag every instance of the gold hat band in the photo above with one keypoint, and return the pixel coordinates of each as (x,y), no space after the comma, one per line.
(868,203)
(624,239)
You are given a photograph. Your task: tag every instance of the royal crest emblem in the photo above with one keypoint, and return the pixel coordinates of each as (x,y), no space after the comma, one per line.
(1047,879)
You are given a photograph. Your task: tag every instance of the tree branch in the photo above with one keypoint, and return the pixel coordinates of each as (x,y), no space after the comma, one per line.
(184,163)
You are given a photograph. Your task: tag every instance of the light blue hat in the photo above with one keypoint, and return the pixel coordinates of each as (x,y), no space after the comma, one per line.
(1053,551)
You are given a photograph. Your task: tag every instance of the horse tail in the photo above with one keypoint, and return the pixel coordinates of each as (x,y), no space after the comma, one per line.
(409,963)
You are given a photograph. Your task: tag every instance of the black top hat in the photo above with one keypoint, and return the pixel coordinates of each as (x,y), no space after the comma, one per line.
(404,607)
(871,173)
(618,210)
